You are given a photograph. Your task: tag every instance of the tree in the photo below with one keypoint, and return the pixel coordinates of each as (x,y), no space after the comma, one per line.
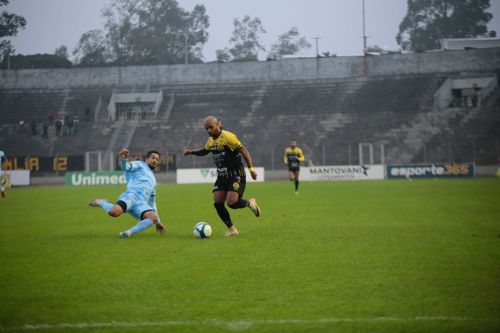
(19,61)
(10,24)
(223,55)
(428,21)
(380,50)
(62,51)
(144,32)
(245,40)
(289,43)
(92,49)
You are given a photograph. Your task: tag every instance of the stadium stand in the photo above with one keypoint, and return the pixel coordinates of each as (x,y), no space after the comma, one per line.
(394,113)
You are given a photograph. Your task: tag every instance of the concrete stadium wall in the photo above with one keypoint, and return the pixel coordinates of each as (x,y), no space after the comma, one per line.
(290,69)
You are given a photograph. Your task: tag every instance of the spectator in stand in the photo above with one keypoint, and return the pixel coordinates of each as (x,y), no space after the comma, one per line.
(45,132)
(51,116)
(87,114)
(71,127)
(76,123)
(33,127)
(22,126)
(58,127)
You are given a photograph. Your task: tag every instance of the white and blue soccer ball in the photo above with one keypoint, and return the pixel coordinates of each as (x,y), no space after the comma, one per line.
(202,230)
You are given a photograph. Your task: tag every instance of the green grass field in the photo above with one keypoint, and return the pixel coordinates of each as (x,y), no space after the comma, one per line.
(378,256)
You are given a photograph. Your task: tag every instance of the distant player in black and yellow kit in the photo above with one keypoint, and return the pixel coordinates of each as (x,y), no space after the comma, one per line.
(292,158)
(229,187)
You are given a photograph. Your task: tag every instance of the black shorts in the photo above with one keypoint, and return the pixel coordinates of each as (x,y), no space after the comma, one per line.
(294,168)
(230,184)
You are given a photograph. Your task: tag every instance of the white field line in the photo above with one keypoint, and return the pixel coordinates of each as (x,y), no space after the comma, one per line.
(234,325)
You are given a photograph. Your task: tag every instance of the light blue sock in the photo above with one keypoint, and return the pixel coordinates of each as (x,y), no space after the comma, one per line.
(106,206)
(142,225)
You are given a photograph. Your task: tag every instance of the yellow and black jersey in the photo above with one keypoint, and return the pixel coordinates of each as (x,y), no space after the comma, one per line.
(293,157)
(225,150)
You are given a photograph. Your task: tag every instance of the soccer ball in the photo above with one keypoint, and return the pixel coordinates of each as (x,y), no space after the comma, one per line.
(202,230)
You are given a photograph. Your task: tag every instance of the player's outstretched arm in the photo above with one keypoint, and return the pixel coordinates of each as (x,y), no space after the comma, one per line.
(124,153)
(200,152)
(248,159)
(160,227)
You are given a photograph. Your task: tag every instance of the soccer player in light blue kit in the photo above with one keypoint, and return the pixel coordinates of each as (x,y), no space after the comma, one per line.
(139,200)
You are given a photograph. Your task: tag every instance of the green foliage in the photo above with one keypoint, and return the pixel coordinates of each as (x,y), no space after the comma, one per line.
(145,32)
(62,51)
(429,21)
(10,24)
(93,50)
(377,49)
(37,61)
(223,55)
(374,256)
(289,43)
(245,42)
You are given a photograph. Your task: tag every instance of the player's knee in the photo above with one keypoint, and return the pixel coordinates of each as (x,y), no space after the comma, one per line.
(231,203)
(153,218)
(150,215)
(114,212)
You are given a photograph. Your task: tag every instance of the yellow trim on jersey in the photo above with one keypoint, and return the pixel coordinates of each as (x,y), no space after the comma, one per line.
(297,152)
(225,138)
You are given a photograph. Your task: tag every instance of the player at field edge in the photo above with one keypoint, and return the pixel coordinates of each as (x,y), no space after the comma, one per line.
(3,179)
(292,158)
(139,200)
(230,185)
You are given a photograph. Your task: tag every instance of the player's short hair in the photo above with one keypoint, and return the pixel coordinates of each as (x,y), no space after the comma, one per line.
(149,153)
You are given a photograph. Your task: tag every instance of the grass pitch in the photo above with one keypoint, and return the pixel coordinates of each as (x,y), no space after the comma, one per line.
(377,256)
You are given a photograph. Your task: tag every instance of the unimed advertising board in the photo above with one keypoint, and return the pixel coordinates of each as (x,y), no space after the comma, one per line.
(94,178)
(209,175)
(342,172)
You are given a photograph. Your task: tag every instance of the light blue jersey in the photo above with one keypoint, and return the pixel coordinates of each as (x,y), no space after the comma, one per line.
(140,178)
(140,195)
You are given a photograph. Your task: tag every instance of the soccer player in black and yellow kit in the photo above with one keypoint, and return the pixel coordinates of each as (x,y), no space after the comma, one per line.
(229,187)
(292,158)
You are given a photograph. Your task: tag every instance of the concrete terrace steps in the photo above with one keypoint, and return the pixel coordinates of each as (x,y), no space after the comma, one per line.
(325,116)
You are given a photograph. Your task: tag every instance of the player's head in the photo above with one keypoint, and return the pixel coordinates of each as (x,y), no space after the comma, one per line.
(293,144)
(211,125)
(152,158)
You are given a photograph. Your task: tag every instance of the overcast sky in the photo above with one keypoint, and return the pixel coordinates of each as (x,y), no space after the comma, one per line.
(338,23)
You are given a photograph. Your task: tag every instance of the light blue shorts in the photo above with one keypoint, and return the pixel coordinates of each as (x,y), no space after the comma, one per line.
(136,206)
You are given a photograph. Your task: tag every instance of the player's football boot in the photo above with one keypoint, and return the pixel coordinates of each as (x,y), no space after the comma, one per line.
(96,202)
(232,232)
(252,204)
(125,234)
